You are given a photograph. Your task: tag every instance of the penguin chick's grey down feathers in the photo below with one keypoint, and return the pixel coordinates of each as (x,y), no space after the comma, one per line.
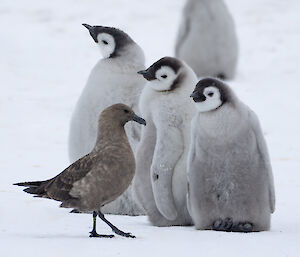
(230,178)
(113,79)
(160,181)
(207,39)
(100,176)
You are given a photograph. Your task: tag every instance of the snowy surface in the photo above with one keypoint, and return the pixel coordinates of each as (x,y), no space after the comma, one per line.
(45,58)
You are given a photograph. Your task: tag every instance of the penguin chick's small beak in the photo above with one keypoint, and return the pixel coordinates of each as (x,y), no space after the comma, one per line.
(92,31)
(198,98)
(146,75)
(139,120)
(142,72)
(194,94)
(89,27)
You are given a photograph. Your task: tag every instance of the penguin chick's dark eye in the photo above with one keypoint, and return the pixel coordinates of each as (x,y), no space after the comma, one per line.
(104,42)
(126,111)
(164,76)
(210,94)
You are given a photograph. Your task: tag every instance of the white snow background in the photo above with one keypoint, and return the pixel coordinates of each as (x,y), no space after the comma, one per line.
(45,59)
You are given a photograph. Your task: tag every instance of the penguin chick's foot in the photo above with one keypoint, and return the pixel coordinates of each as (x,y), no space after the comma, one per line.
(114,228)
(223,225)
(244,227)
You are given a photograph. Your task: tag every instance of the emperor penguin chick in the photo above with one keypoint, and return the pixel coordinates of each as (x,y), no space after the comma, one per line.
(113,79)
(207,39)
(160,181)
(230,178)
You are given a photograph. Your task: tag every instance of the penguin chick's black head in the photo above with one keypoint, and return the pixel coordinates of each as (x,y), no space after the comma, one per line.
(210,94)
(164,74)
(122,113)
(111,40)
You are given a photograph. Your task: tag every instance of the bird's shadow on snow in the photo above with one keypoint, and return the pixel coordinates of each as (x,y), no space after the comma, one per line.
(50,236)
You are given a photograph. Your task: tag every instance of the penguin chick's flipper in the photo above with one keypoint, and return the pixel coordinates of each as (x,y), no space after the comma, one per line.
(169,140)
(223,225)
(114,228)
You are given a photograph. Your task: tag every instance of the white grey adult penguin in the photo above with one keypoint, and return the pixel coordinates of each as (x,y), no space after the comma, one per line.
(113,79)
(207,39)
(230,177)
(160,183)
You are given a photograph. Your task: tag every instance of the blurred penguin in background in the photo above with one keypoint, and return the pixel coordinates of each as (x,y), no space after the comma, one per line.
(113,79)
(160,183)
(230,180)
(207,39)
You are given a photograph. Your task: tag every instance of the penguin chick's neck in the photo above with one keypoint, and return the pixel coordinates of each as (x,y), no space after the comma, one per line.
(110,132)
(224,122)
(132,55)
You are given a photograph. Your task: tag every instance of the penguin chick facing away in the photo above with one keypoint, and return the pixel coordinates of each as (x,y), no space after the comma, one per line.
(230,180)
(207,39)
(100,176)
(160,181)
(114,79)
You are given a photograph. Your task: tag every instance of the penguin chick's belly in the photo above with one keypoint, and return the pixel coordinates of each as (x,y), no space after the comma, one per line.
(233,187)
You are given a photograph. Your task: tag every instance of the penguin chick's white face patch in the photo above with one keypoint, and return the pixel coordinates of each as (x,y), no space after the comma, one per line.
(212,100)
(165,77)
(107,44)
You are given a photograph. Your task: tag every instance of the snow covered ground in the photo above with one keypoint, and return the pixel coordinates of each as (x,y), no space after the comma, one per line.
(45,58)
